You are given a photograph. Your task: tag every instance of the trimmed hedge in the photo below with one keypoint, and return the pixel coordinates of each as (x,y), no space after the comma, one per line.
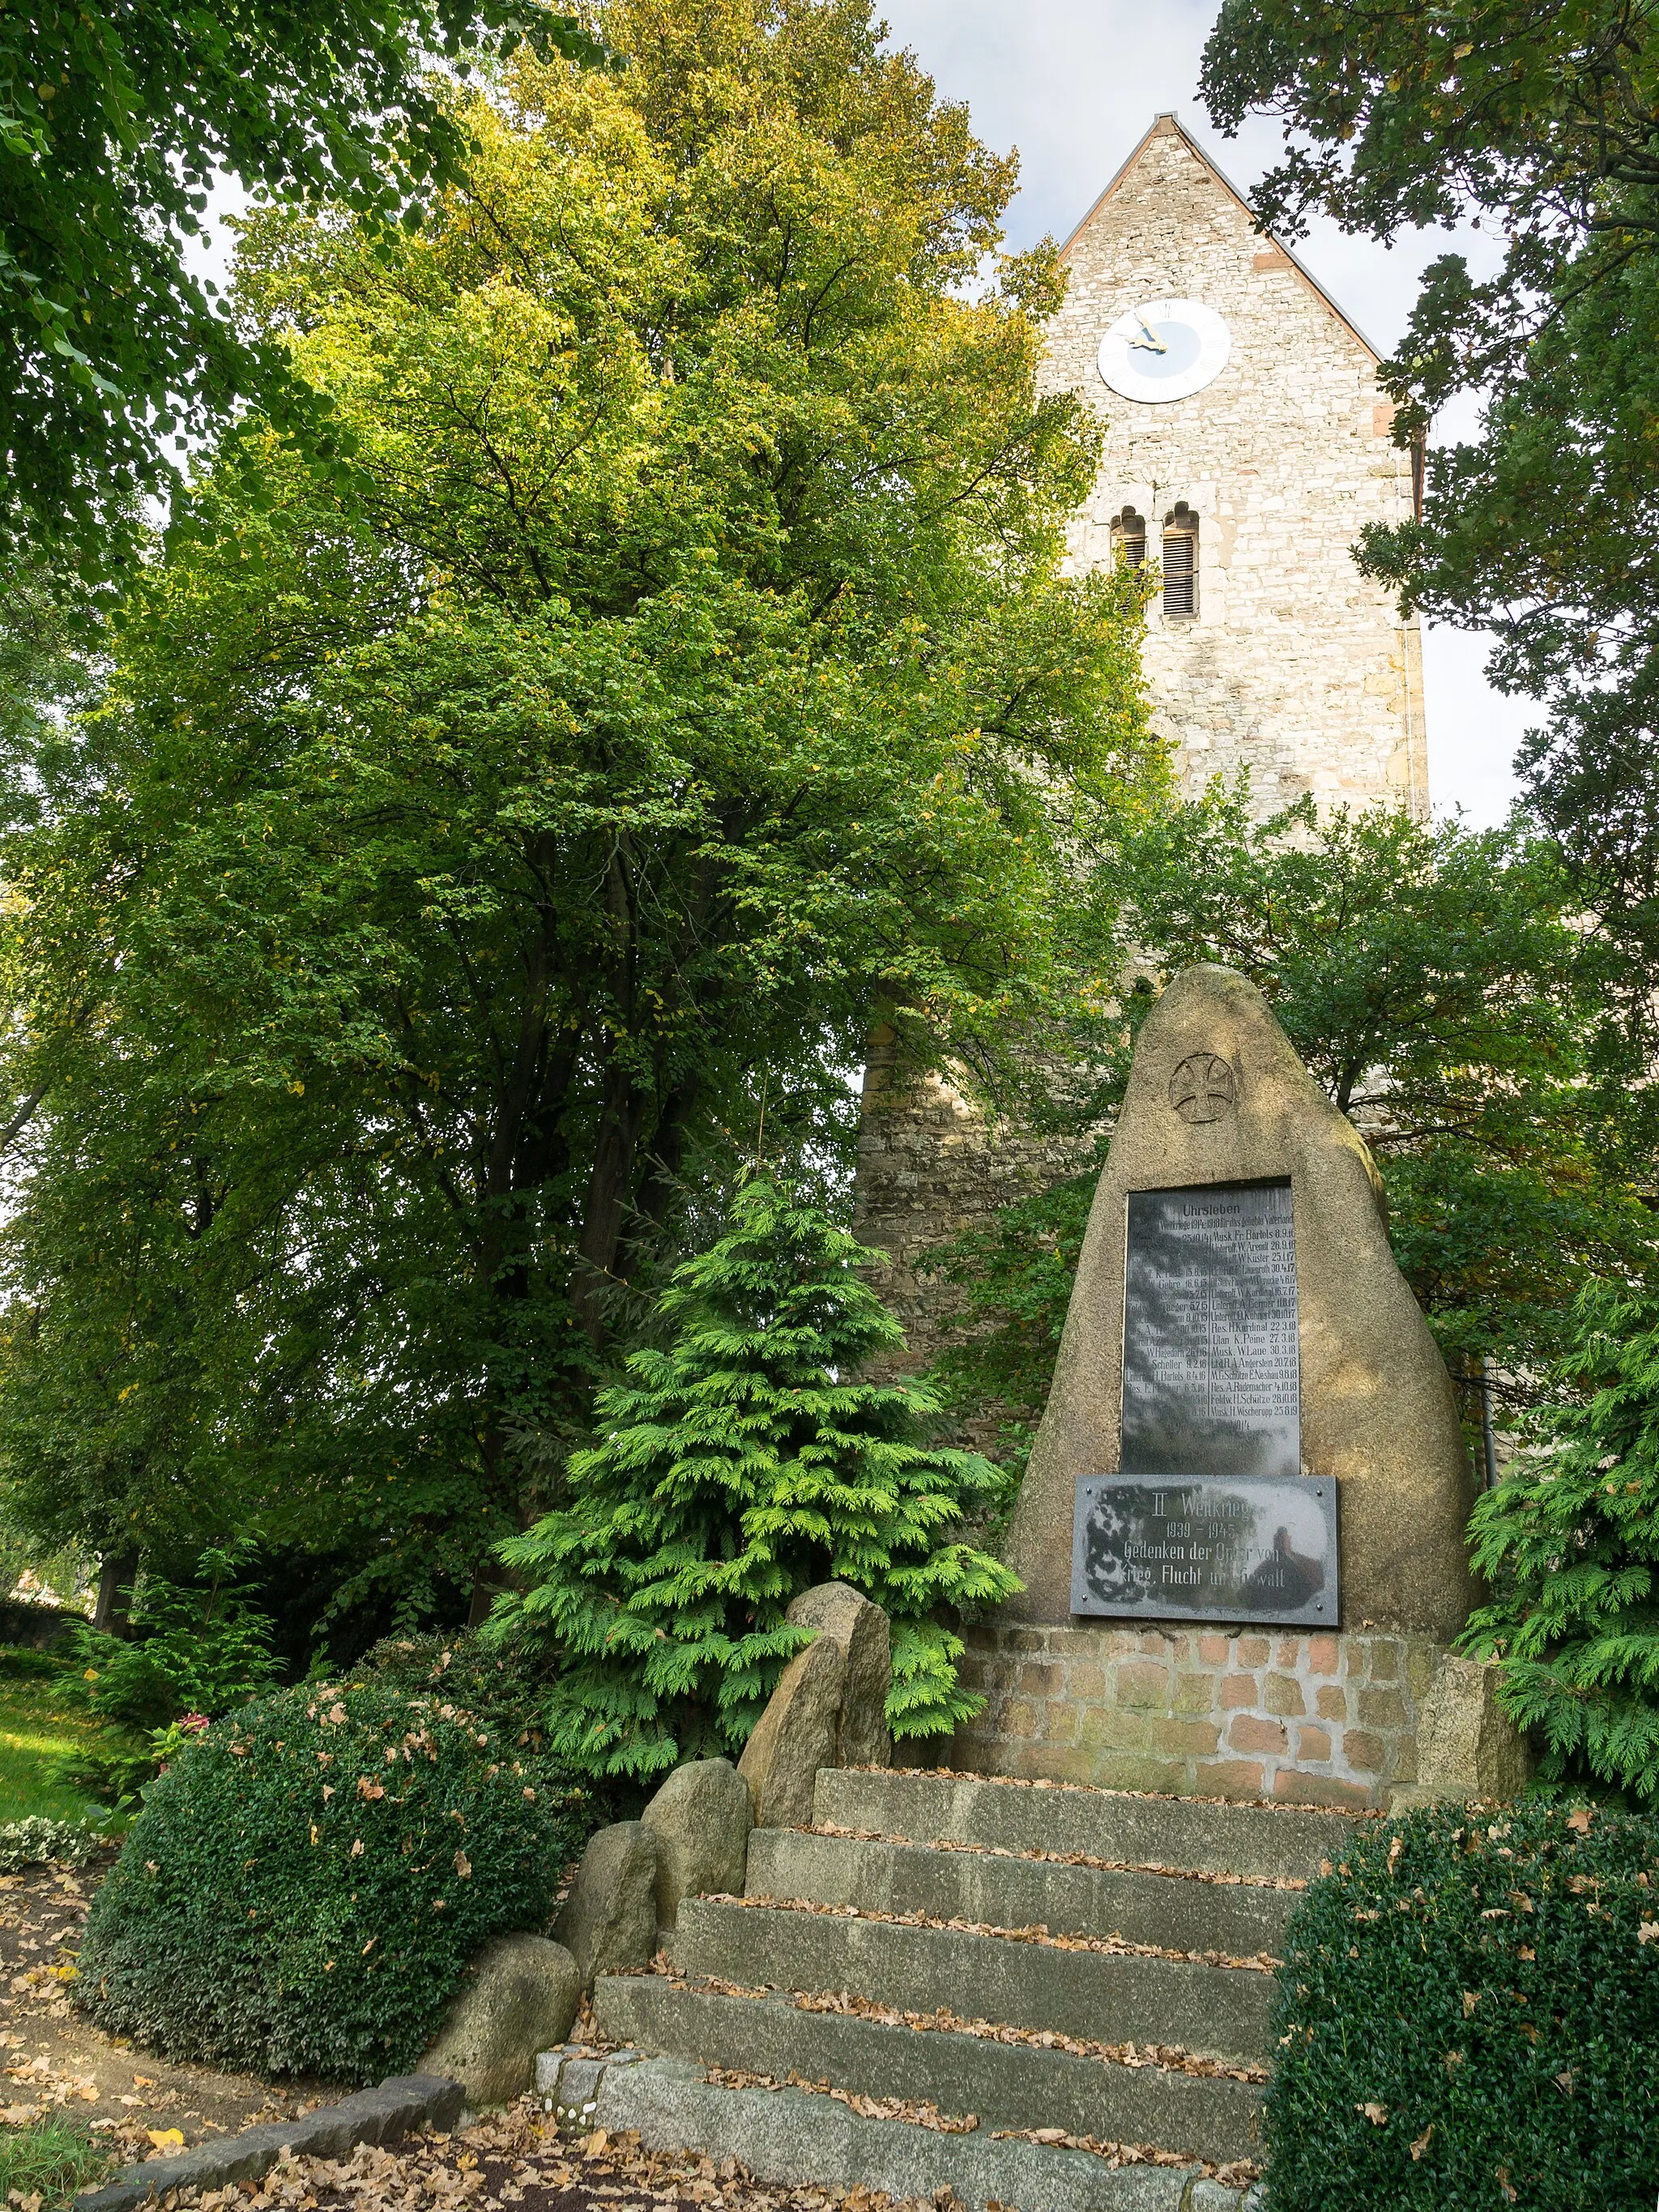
(308,1880)
(1468,2016)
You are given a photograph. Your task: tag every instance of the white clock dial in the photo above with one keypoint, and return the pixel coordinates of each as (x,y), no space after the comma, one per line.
(1164,350)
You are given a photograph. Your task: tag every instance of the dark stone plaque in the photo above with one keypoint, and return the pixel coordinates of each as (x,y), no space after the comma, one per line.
(1233,1548)
(1210,1518)
(1210,1367)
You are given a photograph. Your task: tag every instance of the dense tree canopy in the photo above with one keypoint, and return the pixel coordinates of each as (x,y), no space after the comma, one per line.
(113,122)
(463,868)
(1539,118)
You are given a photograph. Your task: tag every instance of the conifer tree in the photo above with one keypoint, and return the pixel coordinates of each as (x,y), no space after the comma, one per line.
(739,1467)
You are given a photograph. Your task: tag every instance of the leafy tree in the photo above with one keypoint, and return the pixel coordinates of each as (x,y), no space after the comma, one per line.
(1543,124)
(1440,987)
(737,1467)
(459,873)
(113,123)
(1569,1543)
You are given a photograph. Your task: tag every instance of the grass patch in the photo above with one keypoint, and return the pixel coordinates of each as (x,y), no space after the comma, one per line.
(42,1724)
(50,2160)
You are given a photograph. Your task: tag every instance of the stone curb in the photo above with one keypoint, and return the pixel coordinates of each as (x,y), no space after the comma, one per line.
(791,2136)
(397,2107)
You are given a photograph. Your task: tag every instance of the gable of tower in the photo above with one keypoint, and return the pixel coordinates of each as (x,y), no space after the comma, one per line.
(1286,661)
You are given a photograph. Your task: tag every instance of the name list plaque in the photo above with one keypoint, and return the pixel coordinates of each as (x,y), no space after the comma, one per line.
(1209,1517)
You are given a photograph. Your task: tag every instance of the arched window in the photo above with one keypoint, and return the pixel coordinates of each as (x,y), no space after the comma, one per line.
(1181,560)
(1129,537)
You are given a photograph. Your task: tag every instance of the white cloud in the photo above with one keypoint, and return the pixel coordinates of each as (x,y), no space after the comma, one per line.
(1074,87)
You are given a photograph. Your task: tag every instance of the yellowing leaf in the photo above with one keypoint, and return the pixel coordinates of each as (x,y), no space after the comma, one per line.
(168,2138)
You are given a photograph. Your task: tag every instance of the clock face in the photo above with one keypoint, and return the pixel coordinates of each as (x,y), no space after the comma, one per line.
(1164,350)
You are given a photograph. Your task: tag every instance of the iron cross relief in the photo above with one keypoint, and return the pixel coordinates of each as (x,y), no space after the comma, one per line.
(1202,1088)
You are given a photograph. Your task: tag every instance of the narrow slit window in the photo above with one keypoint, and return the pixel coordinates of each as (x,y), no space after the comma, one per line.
(1129,537)
(1181,561)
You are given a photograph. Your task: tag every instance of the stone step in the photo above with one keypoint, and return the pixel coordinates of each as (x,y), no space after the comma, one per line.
(1109,1997)
(790,2136)
(1005,2084)
(1193,1833)
(1176,1913)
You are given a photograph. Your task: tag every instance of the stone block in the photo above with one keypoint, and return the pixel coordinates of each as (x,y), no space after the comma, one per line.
(609,1921)
(1381,1709)
(1194,1693)
(1288,1653)
(1364,1751)
(1322,1657)
(1330,1703)
(1115,1728)
(1230,1777)
(1022,1718)
(1386,1655)
(1282,1694)
(861,1630)
(1291,1787)
(700,1819)
(1253,1651)
(1139,1684)
(795,1736)
(1466,1746)
(519,1995)
(1214,1650)
(1239,1692)
(1248,1732)
(1312,1744)
(1040,1678)
(1085,1679)
(1197,1739)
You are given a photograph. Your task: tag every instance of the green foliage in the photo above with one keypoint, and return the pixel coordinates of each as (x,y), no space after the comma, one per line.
(1540,124)
(450,881)
(306,1882)
(36,1841)
(1569,1543)
(113,123)
(1439,984)
(48,2162)
(737,1467)
(200,1648)
(1466,2015)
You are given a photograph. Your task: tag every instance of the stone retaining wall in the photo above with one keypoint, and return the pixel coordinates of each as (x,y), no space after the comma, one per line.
(1309,1719)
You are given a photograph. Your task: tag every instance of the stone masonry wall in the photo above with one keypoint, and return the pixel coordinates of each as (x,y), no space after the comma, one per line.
(931,1166)
(1294,665)
(1307,1719)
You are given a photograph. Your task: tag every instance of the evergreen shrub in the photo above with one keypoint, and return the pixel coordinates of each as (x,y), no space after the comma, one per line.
(1468,2015)
(1568,1544)
(308,1879)
(748,1458)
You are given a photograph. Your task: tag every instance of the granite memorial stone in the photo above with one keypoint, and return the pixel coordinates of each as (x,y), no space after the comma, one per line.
(1241,1345)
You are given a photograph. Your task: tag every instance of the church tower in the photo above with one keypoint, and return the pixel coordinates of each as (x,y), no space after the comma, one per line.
(1247,446)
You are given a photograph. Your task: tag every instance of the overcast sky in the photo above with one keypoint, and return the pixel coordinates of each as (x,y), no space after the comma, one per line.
(1072,84)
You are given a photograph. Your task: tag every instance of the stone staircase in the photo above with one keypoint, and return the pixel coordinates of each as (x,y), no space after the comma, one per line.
(1065,1965)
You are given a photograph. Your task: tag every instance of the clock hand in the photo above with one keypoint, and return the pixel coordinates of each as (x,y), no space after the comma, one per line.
(1148,342)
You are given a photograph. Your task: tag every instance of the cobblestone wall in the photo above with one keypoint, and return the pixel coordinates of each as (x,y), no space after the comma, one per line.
(1309,1719)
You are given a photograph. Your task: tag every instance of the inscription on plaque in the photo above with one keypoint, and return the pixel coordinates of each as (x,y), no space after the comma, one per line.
(1209,1517)
(1210,1367)
(1251,1547)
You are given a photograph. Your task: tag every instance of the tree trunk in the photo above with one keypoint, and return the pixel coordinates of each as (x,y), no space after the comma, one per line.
(117,1572)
